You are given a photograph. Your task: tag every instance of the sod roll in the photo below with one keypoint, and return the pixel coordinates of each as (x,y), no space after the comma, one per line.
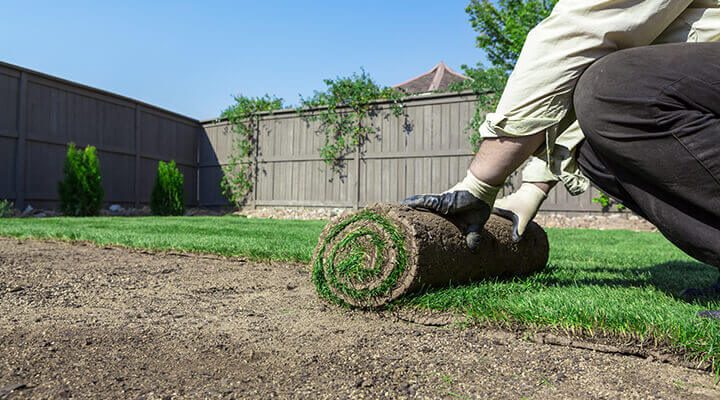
(374,256)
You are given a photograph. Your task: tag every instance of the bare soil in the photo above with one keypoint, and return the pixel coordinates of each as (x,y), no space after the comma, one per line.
(78,321)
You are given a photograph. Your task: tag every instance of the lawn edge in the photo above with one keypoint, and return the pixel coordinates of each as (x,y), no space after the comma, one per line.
(153,250)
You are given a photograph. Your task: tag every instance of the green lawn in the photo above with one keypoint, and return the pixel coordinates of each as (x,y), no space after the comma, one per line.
(621,283)
(598,282)
(258,239)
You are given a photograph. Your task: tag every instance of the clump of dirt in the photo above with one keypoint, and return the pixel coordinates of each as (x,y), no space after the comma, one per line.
(78,321)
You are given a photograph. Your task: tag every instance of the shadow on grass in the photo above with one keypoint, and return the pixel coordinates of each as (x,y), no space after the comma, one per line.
(671,277)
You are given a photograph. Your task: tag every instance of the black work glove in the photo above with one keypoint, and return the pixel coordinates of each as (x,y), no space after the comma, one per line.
(468,203)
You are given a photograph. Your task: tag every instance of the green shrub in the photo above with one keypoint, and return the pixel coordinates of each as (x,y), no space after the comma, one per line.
(606,202)
(81,192)
(167,195)
(6,209)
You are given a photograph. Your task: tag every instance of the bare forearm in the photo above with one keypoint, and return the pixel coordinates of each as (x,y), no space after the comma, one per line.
(497,158)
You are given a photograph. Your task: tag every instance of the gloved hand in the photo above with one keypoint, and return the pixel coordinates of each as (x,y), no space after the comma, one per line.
(468,202)
(520,207)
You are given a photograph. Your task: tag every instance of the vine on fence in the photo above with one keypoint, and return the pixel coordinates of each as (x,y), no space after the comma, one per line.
(344,111)
(487,85)
(244,117)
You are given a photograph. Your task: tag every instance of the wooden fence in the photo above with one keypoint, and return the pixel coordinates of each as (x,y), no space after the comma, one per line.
(424,151)
(40,114)
(427,150)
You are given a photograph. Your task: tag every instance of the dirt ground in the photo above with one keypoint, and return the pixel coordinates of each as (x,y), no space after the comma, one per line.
(78,321)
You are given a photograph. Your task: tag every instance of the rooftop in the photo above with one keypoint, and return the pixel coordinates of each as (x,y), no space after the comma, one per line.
(438,79)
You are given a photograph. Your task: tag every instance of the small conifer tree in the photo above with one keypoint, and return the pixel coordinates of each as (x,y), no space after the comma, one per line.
(167,195)
(81,192)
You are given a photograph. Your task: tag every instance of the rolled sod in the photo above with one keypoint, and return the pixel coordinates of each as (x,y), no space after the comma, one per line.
(374,256)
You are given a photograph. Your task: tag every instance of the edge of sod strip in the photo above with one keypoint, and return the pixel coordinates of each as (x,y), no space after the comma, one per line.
(341,273)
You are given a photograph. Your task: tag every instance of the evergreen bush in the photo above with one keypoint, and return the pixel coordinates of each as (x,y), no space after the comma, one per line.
(7,209)
(167,195)
(81,192)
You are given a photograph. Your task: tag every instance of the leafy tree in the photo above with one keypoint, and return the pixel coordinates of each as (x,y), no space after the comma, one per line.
(502,28)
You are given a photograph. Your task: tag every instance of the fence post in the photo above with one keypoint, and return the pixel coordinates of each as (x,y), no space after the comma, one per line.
(356,205)
(20,150)
(137,155)
(256,167)
(198,136)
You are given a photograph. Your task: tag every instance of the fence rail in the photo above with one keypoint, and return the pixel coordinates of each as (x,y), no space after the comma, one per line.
(430,156)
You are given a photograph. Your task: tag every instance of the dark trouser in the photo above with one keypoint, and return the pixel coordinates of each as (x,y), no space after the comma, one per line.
(651,118)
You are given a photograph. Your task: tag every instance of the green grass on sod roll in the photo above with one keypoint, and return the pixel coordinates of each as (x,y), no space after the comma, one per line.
(624,284)
(335,273)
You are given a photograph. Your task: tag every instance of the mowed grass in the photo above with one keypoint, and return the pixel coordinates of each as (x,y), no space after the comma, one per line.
(256,239)
(618,283)
(600,283)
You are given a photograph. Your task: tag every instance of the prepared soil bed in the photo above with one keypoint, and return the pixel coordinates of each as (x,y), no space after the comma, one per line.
(79,321)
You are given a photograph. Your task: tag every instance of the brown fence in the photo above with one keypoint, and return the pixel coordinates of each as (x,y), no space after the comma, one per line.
(425,151)
(40,114)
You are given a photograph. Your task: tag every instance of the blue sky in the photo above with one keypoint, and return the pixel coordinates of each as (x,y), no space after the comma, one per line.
(192,56)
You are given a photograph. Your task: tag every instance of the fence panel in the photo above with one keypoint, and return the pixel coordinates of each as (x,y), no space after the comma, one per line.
(41,114)
(215,147)
(290,169)
(425,150)
(9,95)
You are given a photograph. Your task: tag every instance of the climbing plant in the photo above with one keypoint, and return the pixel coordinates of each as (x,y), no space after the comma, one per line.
(344,110)
(487,85)
(244,117)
